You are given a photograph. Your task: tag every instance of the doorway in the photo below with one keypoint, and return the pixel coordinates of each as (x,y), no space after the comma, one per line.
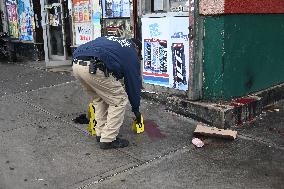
(56,33)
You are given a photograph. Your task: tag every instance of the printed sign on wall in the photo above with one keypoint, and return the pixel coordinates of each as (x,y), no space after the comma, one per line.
(26,20)
(82,11)
(83,32)
(116,8)
(166,51)
(12,18)
(96,19)
(156,51)
(179,52)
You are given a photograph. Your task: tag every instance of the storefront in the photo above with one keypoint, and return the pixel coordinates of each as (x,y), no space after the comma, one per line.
(68,24)
(94,18)
(168,53)
(51,29)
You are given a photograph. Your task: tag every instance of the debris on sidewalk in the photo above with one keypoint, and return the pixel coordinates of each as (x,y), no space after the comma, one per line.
(271,108)
(213,131)
(197,142)
(81,119)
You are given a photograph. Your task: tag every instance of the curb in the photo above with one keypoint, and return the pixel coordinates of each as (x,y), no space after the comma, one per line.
(221,115)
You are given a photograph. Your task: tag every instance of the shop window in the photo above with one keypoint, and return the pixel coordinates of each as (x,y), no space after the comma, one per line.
(156,6)
(179,5)
(152,6)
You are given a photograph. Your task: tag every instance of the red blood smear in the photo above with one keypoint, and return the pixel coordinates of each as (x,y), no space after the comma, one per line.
(245,100)
(237,102)
(152,130)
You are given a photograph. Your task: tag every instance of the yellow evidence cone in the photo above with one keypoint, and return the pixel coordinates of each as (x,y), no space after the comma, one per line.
(138,127)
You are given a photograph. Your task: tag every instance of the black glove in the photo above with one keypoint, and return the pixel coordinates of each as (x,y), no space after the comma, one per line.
(138,117)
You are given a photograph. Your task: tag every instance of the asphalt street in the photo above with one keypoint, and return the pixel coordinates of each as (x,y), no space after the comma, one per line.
(41,147)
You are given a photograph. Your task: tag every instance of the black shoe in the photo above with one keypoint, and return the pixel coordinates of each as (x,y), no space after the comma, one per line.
(118,143)
(98,138)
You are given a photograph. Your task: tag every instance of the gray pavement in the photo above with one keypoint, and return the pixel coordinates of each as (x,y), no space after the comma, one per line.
(42,148)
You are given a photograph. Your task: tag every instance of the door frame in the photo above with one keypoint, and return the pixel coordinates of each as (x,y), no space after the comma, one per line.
(53,60)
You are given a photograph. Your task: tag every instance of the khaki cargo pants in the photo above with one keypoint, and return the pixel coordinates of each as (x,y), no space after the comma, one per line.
(110,100)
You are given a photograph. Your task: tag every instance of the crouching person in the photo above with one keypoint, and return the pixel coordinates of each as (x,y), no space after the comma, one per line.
(98,65)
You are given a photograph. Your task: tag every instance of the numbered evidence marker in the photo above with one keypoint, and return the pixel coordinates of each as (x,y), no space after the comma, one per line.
(138,127)
(93,121)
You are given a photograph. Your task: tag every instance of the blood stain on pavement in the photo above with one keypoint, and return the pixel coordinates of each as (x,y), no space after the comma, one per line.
(152,130)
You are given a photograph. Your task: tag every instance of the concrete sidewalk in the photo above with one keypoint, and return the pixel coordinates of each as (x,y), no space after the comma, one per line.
(42,148)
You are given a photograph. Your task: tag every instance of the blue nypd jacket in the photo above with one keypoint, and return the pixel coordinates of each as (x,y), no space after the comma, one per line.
(121,59)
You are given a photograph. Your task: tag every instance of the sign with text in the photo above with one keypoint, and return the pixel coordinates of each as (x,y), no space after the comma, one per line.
(12,18)
(83,32)
(82,11)
(166,52)
(156,51)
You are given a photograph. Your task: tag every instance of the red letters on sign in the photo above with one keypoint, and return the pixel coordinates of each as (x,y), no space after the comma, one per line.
(85,38)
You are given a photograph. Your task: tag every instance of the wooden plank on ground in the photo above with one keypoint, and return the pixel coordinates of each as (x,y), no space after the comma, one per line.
(213,131)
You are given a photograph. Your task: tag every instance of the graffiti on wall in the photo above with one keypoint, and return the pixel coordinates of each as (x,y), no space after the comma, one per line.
(116,8)
(12,18)
(118,28)
(26,20)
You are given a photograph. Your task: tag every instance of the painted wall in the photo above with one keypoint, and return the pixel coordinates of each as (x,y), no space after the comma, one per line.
(243,53)
(213,7)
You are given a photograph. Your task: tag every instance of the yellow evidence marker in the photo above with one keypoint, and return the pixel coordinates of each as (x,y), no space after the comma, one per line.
(138,127)
(93,121)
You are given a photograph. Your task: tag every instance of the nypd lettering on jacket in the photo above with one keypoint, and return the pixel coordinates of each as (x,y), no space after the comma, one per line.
(122,42)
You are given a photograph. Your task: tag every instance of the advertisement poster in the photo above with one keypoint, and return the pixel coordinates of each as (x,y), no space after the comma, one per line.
(96,19)
(82,11)
(116,8)
(26,20)
(12,18)
(83,32)
(118,28)
(155,36)
(166,52)
(179,52)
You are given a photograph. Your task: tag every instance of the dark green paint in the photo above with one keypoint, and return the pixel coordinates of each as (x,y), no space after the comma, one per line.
(212,67)
(249,56)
